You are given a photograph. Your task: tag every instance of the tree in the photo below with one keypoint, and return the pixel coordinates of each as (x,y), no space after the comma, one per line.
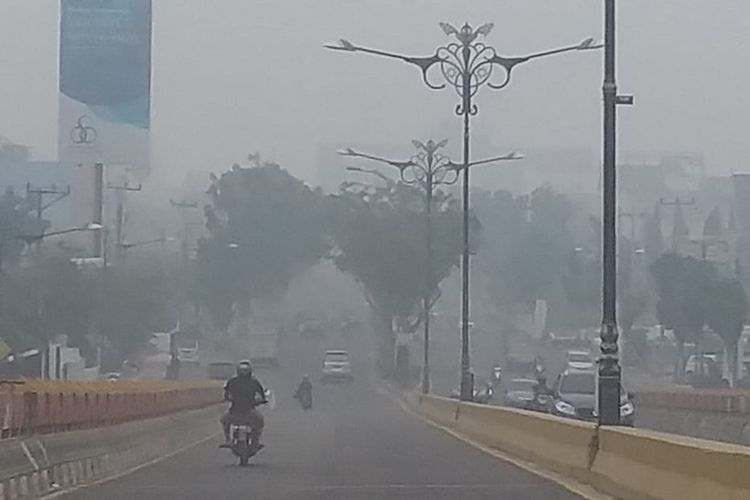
(379,235)
(525,243)
(654,240)
(632,303)
(683,285)
(265,227)
(16,220)
(727,313)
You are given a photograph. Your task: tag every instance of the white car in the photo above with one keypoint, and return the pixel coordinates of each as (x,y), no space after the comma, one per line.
(337,366)
(189,356)
(580,360)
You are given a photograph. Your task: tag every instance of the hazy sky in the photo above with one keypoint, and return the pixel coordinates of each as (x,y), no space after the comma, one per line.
(234,76)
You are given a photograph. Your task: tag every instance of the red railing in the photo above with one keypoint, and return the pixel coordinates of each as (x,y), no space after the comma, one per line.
(37,407)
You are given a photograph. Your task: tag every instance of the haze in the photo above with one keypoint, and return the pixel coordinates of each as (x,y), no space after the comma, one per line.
(237,76)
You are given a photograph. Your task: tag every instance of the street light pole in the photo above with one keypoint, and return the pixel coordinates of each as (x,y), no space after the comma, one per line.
(429,169)
(609,364)
(466,64)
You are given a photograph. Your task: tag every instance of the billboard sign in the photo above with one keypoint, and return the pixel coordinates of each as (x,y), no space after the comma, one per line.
(105,82)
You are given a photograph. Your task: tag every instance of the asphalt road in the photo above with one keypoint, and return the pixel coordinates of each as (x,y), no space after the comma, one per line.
(356,443)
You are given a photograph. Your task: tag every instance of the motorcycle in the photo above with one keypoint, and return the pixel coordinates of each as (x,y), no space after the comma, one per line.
(305,400)
(243,445)
(542,403)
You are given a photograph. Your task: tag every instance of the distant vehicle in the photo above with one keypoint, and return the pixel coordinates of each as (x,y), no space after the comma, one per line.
(337,366)
(575,397)
(692,363)
(311,327)
(264,348)
(520,393)
(112,376)
(187,353)
(220,370)
(708,375)
(580,360)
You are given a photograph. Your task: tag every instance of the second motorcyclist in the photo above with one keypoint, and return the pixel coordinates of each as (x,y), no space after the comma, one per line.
(304,393)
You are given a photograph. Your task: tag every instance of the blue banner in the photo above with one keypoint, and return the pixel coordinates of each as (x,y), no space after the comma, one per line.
(105,58)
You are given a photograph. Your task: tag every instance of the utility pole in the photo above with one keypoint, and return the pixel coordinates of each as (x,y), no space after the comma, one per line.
(120,218)
(98,207)
(40,206)
(184,207)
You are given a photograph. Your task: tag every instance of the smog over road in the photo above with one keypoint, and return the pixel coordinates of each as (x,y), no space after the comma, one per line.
(368,249)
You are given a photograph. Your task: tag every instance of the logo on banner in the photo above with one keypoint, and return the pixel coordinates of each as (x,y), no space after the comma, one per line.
(82,133)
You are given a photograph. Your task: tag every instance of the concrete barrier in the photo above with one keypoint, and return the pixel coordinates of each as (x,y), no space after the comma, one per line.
(566,447)
(441,410)
(68,459)
(638,464)
(630,464)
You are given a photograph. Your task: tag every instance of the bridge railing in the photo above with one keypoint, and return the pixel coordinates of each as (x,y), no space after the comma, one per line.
(50,406)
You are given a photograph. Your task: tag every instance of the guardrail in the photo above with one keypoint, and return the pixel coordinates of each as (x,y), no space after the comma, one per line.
(49,406)
(630,464)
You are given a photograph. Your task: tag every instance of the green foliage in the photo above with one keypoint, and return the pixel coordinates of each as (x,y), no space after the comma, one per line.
(525,243)
(727,310)
(265,228)
(380,236)
(16,220)
(683,285)
(116,310)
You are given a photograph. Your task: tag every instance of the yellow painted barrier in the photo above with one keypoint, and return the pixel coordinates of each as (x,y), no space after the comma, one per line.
(644,465)
(440,410)
(630,464)
(564,446)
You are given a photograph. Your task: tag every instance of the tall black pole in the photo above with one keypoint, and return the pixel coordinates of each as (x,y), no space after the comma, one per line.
(609,367)
(467,389)
(428,275)
(98,207)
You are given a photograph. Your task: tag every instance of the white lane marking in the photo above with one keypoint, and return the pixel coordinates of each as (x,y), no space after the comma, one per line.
(44,451)
(428,486)
(132,469)
(28,454)
(583,490)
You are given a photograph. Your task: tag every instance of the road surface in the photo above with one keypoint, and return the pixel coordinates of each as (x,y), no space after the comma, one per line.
(356,443)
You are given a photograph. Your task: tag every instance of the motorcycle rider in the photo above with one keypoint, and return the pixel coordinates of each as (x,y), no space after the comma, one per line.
(304,393)
(245,393)
(541,388)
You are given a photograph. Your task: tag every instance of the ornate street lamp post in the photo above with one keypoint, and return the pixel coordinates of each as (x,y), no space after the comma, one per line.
(428,169)
(466,64)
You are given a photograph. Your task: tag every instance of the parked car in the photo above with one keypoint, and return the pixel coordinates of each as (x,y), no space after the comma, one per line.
(580,360)
(520,393)
(575,397)
(337,366)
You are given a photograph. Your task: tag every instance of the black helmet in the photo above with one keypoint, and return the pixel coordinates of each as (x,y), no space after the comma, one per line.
(244,367)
